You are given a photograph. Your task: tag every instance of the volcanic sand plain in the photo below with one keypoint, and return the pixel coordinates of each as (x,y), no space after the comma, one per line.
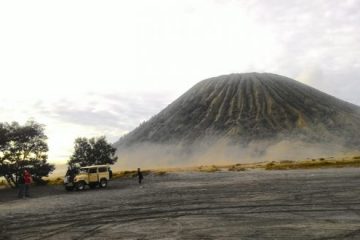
(252,204)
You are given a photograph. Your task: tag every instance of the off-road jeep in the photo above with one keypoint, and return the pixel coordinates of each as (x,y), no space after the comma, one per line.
(91,176)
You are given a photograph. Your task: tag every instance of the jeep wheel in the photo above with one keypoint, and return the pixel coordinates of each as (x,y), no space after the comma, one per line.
(69,188)
(103,183)
(80,186)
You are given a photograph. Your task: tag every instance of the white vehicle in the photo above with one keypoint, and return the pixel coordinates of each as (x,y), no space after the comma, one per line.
(92,176)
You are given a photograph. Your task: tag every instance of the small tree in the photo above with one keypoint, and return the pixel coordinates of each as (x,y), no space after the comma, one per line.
(4,140)
(93,151)
(23,147)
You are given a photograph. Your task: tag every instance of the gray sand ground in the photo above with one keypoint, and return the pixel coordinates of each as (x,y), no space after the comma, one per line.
(296,204)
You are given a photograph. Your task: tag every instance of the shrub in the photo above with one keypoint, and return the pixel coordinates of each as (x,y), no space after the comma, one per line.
(209,169)
(236,167)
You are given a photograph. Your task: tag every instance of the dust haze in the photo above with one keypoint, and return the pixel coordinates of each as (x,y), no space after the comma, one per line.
(221,152)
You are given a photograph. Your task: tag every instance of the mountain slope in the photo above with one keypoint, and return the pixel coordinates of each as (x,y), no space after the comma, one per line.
(249,107)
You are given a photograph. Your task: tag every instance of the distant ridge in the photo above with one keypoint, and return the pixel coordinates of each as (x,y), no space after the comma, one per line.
(251,107)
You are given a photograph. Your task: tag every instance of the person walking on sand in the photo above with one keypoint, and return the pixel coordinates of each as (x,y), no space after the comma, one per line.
(140,176)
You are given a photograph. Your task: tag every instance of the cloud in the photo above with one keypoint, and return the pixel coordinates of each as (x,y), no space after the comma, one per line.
(320,42)
(111,112)
(316,42)
(106,67)
(85,115)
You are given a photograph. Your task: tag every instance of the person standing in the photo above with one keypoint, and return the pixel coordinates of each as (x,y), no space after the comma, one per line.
(27,181)
(140,176)
(21,185)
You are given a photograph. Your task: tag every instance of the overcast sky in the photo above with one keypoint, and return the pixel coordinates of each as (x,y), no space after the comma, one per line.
(90,68)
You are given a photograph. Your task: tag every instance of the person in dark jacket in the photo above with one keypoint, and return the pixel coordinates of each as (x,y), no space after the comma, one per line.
(71,173)
(110,173)
(140,176)
(21,185)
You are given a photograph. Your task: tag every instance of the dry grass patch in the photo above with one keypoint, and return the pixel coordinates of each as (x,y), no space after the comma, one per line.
(208,169)
(320,163)
(124,174)
(159,173)
(3,183)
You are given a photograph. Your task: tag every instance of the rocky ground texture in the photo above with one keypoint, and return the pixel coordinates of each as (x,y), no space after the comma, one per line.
(256,204)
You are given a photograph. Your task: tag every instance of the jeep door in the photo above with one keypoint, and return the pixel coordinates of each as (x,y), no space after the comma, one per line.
(104,173)
(93,175)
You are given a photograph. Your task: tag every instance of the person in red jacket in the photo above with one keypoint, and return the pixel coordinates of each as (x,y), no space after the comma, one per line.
(27,180)
(24,184)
